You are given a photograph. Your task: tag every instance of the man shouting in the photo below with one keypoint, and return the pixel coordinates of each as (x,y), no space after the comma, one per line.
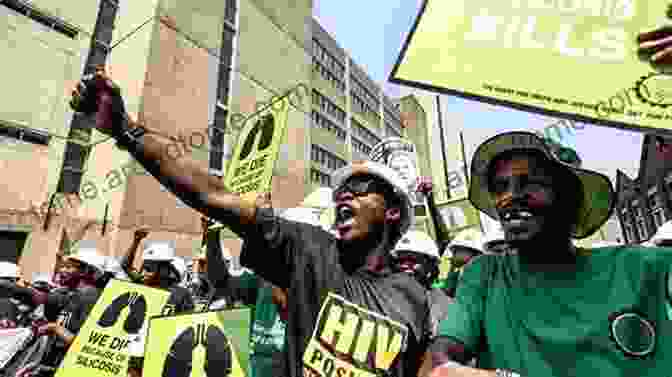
(349,312)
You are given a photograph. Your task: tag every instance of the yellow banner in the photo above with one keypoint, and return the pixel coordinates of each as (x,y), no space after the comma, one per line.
(255,154)
(349,340)
(200,344)
(575,59)
(101,347)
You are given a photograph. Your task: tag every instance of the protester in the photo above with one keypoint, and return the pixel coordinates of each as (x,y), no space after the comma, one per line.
(550,309)
(79,273)
(268,302)
(373,211)
(9,311)
(161,269)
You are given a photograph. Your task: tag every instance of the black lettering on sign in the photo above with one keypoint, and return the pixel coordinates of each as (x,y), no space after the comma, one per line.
(351,340)
(265,125)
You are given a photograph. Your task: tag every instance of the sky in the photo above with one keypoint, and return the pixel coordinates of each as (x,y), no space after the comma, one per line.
(373,31)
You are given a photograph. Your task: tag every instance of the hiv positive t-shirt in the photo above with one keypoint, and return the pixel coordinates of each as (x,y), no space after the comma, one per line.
(340,323)
(609,315)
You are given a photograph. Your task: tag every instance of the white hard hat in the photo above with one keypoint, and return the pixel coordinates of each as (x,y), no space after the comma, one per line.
(180,266)
(417,242)
(386,174)
(89,256)
(302,215)
(159,252)
(664,233)
(9,270)
(113,266)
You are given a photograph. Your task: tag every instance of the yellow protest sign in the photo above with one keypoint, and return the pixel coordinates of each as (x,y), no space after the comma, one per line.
(575,59)
(101,347)
(350,340)
(255,154)
(204,344)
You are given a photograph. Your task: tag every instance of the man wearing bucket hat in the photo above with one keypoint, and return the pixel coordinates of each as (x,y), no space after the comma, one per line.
(349,271)
(549,309)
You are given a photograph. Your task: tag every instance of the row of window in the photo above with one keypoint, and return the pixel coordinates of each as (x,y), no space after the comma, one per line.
(320,121)
(328,76)
(362,92)
(317,176)
(328,107)
(325,158)
(360,146)
(393,115)
(634,224)
(360,106)
(329,60)
(391,131)
(364,134)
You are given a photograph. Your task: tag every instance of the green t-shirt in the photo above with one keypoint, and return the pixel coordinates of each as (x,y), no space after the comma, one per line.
(608,316)
(267,330)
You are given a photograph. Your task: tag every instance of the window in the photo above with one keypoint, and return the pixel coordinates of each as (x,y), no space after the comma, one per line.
(391,131)
(320,121)
(363,133)
(360,146)
(325,158)
(322,179)
(328,67)
(76,154)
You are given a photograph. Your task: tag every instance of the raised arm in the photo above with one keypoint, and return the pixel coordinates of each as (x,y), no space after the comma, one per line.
(154,150)
(443,237)
(129,257)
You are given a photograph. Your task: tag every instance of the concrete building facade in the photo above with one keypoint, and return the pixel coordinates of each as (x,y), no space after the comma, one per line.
(195,70)
(645,202)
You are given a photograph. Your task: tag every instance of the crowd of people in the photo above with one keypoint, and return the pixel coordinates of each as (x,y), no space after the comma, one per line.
(364,296)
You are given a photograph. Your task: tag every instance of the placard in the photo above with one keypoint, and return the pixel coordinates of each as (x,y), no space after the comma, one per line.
(575,59)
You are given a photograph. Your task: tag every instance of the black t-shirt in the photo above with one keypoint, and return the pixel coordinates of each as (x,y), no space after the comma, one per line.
(179,301)
(8,310)
(344,323)
(76,305)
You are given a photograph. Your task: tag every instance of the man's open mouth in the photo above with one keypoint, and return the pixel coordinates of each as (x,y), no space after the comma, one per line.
(516,217)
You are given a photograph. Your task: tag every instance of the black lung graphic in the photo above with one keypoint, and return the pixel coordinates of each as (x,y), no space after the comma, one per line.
(217,353)
(136,315)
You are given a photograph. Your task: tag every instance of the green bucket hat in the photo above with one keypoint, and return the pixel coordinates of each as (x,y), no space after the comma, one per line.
(598,193)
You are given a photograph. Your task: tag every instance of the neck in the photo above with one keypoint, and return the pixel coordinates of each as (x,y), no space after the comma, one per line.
(546,251)
(371,255)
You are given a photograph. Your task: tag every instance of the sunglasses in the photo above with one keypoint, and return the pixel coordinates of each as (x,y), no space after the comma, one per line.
(151,267)
(362,186)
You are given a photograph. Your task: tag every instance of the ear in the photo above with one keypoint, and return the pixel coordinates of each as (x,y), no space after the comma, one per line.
(392,215)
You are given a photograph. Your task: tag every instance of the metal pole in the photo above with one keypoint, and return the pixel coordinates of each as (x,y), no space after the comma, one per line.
(443,145)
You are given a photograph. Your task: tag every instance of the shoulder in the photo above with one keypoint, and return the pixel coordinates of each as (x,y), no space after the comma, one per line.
(634,254)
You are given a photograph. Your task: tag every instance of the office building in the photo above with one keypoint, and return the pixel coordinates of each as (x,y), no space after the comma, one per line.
(645,202)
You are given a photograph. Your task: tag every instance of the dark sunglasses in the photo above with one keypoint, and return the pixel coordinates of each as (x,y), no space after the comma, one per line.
(362,186)
(151,267)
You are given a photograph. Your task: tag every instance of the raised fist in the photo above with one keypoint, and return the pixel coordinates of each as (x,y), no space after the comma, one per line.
(97,94)
(141,233)
(424,185)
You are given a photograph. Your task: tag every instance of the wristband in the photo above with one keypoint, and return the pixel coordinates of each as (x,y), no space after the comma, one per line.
(505,373)
(129,138)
